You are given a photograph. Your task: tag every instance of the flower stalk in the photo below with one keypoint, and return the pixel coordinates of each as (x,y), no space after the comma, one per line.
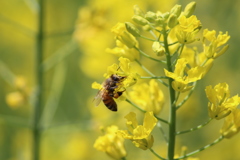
(39,84)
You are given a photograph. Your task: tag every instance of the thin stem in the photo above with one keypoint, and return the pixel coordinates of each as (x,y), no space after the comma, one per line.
(201,149)
(147,38)
(59,55)
(149,57)
(39,83)
(187,97)
(140,109)
(162,131)
(123,158)
(157,77)
(150,73)
(195,128)
(172,112)
(158,156)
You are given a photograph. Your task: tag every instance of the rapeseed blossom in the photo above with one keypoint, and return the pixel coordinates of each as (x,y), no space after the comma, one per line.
(231,124)
(220,104)
(111,143)
(149,96)
(140,135)
(181,79)
(215,47)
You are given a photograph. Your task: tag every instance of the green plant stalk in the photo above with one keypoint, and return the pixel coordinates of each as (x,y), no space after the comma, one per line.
(39,84)
(201,149)
(172,111)
(156,154)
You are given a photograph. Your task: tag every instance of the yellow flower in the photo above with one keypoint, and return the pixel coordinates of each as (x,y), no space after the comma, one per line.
(220,104)
(215,48)
(187,29)
(195,59)
(148,96)
(15,99)
(231,124)
(181,80)
(111,143)
(140,135)
(123,35)
(123,51)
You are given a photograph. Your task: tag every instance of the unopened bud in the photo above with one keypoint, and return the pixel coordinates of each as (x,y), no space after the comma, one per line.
(138,11)
(132,29)
(158,49)
(176,10)
(147,27)
(165,15)
(189,9)
(172,21)
(127,39)
(150,16)
(140,20)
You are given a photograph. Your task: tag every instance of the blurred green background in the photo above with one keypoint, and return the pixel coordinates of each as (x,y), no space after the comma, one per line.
(76,34)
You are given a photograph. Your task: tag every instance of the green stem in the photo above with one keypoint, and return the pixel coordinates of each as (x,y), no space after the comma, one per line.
(187,97)
(156,154)
(201,149)
(145,55)
(150,73)
(140,109)
(162,131)
(195,128)
(147,38)
(172,112)
(39,84)
(157,77)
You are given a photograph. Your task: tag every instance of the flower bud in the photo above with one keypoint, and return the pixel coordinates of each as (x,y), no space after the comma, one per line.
(127,39)
(189,9)
(138,11)
(165,15)
(147,27)
(172,21)
(150,16)
(132,29)
(140,20)
(158,49)
(176,10)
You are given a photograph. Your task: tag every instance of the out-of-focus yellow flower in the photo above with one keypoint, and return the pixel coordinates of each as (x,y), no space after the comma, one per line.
(15,99)
(187,29)
(231,124)
(123,51)
(111,143)
(181,80)
(124,36)
(149,96)
(220,104)
(20,96)
(215,48)
(140,135)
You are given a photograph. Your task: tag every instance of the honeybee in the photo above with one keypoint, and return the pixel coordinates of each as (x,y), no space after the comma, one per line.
(107,93)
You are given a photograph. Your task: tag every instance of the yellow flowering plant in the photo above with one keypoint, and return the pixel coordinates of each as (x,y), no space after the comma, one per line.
(169,34)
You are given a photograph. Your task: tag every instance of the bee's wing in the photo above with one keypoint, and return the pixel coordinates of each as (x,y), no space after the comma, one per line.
(98,97)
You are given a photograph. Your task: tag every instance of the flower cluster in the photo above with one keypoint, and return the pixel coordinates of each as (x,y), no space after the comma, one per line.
(221,105)
(170,35)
